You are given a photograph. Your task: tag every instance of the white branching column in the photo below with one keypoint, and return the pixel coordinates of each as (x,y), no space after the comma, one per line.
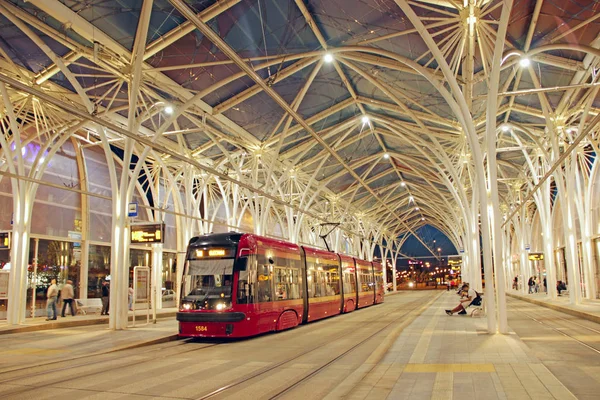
(23,199)
(24,191)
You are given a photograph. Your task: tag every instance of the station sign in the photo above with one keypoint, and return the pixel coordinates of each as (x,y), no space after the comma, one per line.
(414,262)
(148,233)
(4,240)
(132,210)
(536,256)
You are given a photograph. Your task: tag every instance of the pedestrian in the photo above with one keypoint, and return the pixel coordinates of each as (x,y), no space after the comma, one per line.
(516,283)
(448,286)
(545,286)
(130,292)
(105,298)
(531,284)
(51,296)
(67,295)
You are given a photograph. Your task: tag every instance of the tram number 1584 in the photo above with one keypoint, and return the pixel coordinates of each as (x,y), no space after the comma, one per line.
(201,328)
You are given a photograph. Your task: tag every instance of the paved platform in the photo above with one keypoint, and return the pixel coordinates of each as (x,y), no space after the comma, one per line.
(588,309)
(39,347)
(453,357)
(40,323)
(435,356)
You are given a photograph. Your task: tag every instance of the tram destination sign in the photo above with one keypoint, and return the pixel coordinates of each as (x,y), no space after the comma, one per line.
(147,233)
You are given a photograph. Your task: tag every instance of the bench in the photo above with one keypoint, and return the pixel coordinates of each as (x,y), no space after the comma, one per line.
(85,305)
(478,311)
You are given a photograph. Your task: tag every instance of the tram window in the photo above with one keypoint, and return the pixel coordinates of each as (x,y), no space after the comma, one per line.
(295,284)
(349,282)
(265,278)
(281,284)
(333,282)
(247,281)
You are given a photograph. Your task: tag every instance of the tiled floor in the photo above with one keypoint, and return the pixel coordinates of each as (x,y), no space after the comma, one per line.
(453,357)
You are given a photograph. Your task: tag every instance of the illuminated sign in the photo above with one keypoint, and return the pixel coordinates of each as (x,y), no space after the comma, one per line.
(147,233)
(216,252)
(203,253)
(4,240)
(536,256)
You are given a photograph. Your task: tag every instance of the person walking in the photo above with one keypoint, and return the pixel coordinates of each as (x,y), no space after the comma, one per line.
(67,293)
(531,284)
(105,298)
(51,296)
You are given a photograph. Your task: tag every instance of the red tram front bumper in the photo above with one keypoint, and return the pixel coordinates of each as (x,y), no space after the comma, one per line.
(212,324)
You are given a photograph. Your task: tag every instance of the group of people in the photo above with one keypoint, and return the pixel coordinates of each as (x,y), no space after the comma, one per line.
(67,295)
(468,297)
(534,284)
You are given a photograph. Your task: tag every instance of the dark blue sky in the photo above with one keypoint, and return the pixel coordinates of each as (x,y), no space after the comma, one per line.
(413,248)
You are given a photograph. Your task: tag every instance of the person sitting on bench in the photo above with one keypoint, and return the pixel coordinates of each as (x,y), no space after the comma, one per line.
(560,286)
(467,297)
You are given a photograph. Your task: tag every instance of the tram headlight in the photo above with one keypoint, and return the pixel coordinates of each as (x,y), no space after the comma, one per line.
(186,306)
(220,306)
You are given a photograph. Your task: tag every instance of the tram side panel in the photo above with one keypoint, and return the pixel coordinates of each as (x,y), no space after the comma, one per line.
(279,299)
(323,284)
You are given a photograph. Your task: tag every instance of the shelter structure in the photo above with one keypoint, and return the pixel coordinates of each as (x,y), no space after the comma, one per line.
(363,119)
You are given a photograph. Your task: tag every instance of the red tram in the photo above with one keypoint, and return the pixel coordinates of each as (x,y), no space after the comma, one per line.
(238,285)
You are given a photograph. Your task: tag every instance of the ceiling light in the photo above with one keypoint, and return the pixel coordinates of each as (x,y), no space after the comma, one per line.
(524,62)
(422,218)
(505,128)
(365,120)
(416,208)
(328,58)
(402,184)
(386,156)
(169,110)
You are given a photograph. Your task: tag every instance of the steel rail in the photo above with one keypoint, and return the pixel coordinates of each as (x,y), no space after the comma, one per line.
(62,368)
(560,330)
(269,369)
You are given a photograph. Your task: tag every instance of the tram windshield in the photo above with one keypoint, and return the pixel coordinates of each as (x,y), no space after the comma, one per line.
(207,284)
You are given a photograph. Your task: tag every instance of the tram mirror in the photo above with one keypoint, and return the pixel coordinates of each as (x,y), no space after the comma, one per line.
(271,261)
(241,264)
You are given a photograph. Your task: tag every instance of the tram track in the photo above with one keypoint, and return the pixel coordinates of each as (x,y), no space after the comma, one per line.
(561,330)
(263,372)
(94,365)
(78,366)
(29,367)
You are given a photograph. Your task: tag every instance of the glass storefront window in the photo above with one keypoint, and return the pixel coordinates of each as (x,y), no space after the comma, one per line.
(98,269)
(56,260)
